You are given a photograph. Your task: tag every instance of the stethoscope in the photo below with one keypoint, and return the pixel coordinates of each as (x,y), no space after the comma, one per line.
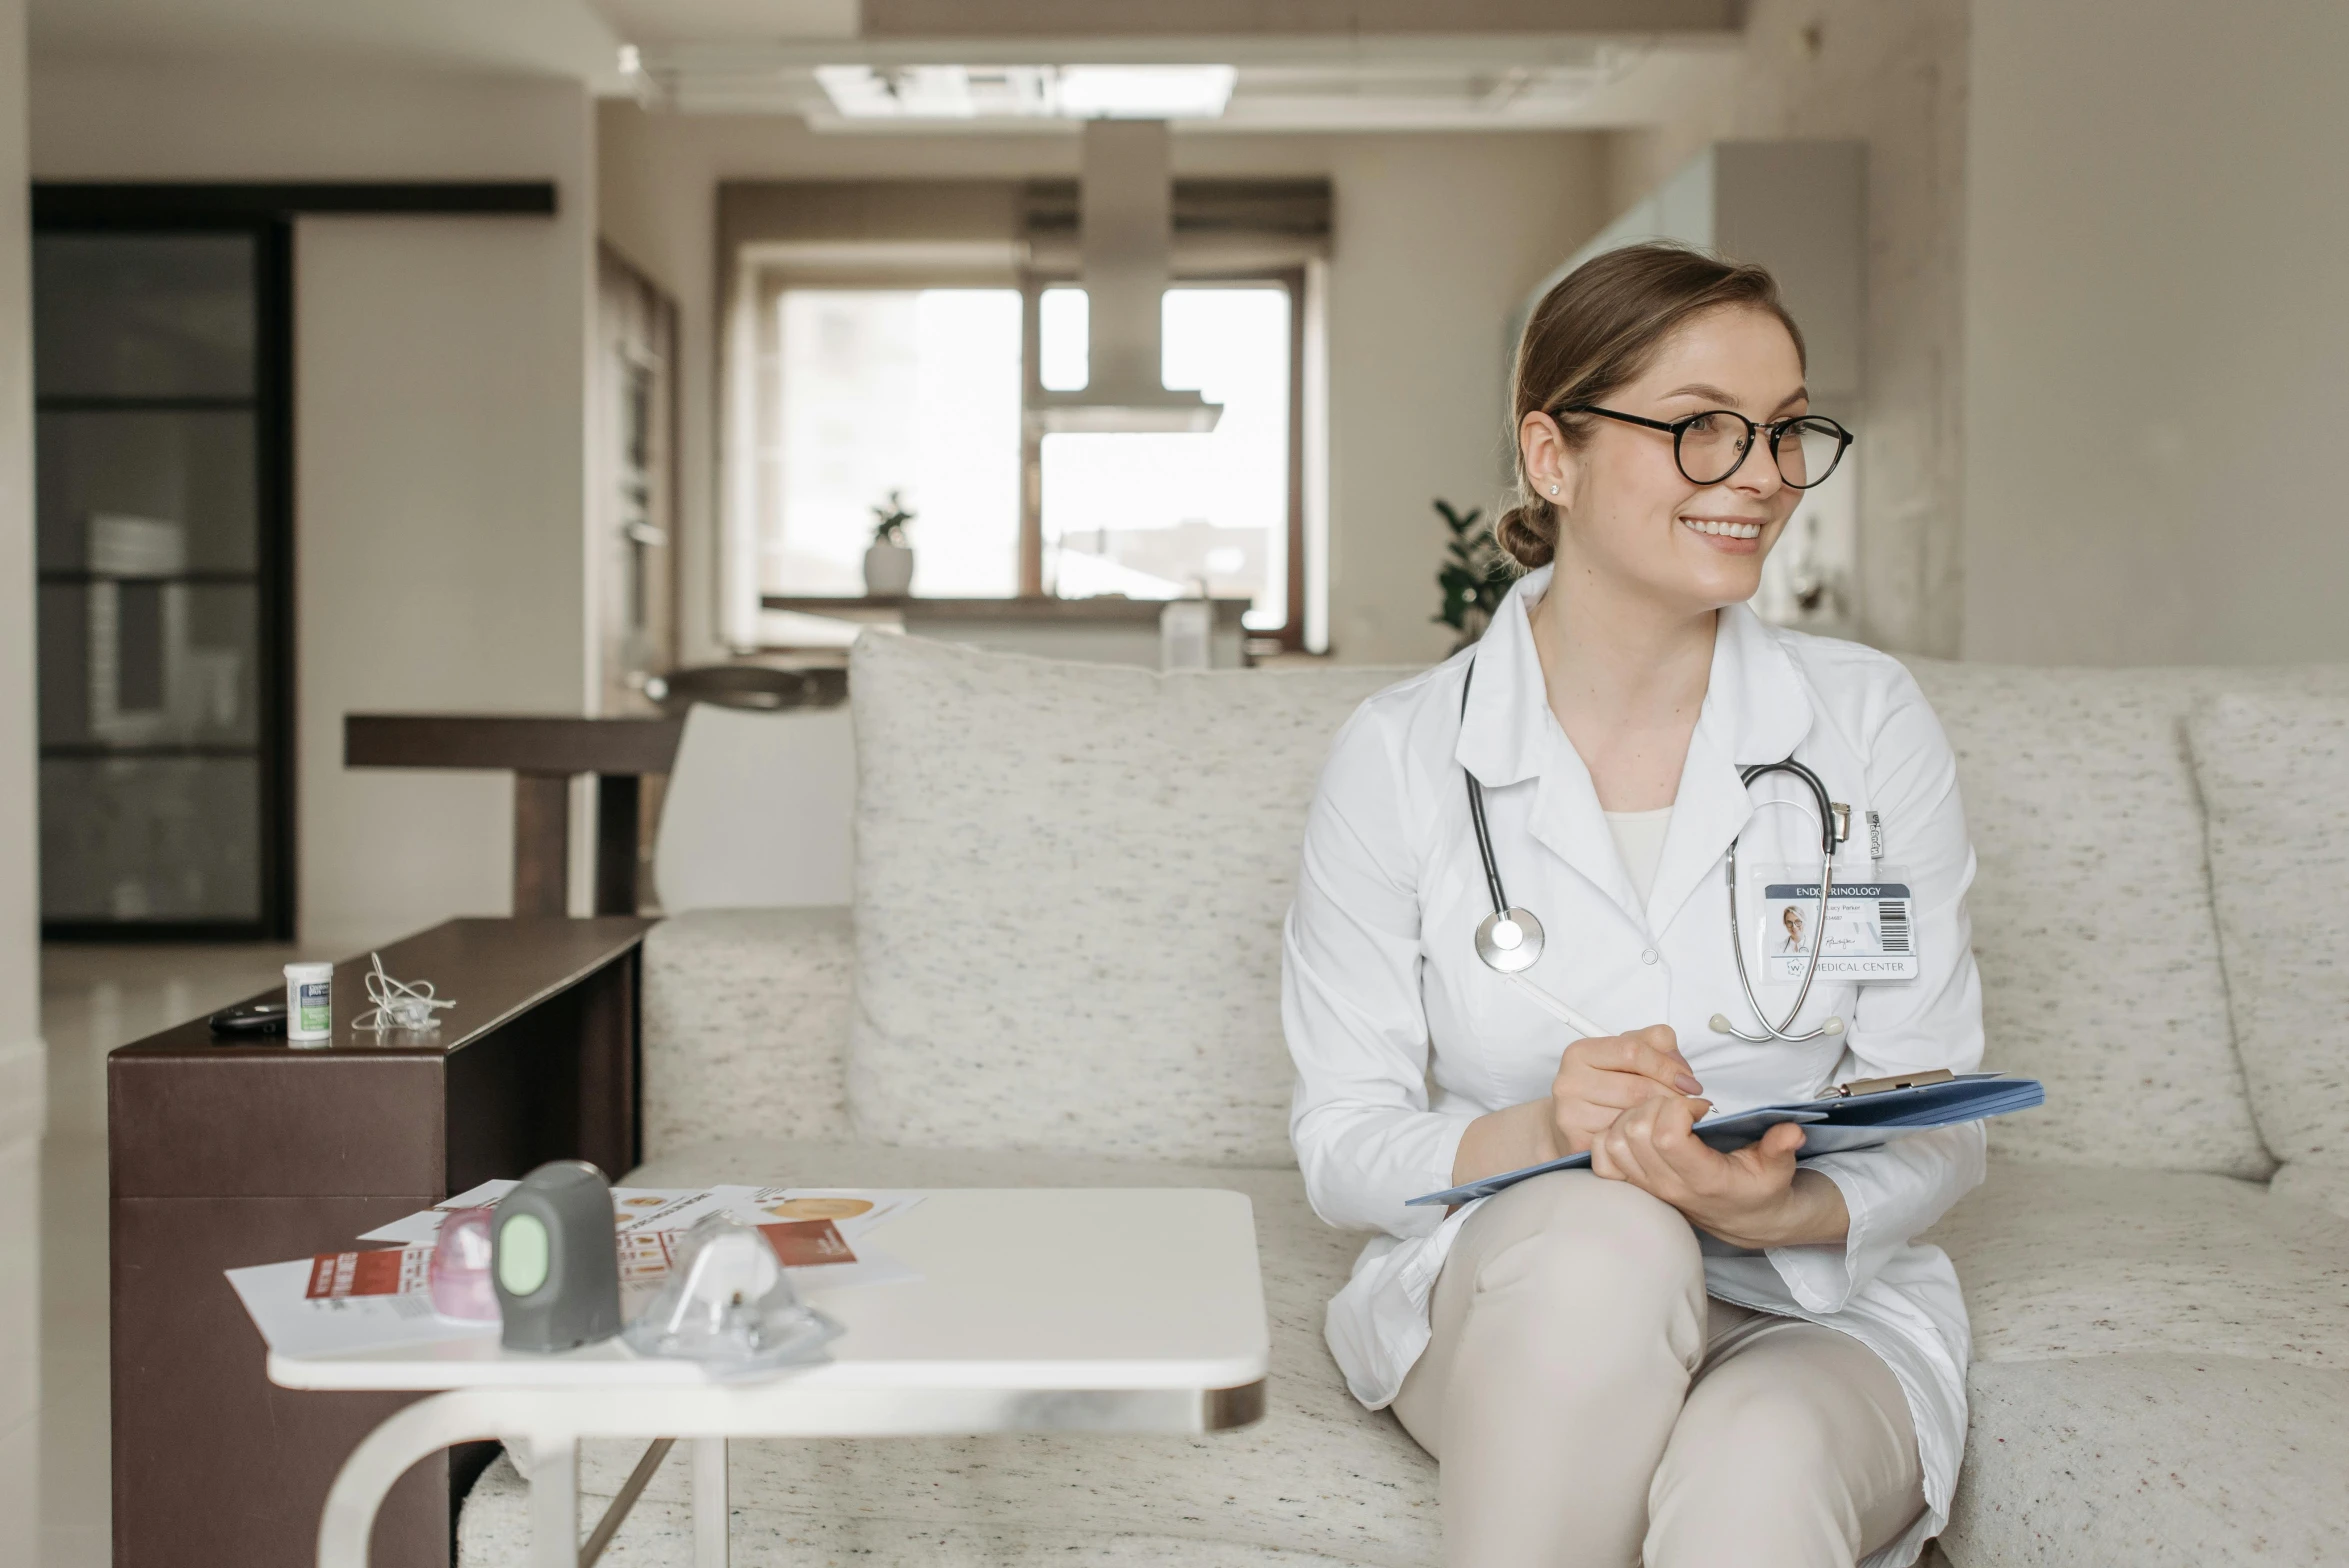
(1509,940)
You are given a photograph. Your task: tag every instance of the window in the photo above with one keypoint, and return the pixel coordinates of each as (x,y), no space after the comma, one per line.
(908,391)
(922,392)
(1157,516)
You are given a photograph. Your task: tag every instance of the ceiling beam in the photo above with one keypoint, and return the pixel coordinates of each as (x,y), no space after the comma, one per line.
(116,203)
(1003,19)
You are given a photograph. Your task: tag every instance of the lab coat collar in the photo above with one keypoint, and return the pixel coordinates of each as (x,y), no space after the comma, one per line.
(1756,709)
(1505,728)
(1508,735)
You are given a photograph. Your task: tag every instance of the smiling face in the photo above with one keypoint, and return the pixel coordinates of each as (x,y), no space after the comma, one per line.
(1629,519)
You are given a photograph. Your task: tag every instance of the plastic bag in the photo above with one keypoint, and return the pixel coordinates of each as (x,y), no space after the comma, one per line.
(459,1274)
(728,1304)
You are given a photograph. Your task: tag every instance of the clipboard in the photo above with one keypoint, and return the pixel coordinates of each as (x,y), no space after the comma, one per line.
(1864,1114)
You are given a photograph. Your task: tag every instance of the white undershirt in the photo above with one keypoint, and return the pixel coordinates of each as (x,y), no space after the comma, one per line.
(1639,839)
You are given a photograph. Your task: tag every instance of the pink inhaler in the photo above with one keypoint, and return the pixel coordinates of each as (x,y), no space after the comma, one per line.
(460,1268)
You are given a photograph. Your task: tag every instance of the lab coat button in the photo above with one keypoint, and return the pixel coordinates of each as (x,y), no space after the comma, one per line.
(1647,955)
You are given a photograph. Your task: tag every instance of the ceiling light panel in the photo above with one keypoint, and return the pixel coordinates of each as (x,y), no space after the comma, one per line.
(1145,92)
(1260,84)
(1026,92)
(937,92)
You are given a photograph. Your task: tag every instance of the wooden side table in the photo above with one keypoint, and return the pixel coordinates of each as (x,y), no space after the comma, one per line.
(223,1155)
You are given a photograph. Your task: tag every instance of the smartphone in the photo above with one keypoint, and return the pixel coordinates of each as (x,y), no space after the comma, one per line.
(250,1018)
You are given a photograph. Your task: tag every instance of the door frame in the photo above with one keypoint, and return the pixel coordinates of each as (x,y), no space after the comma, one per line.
(266,210)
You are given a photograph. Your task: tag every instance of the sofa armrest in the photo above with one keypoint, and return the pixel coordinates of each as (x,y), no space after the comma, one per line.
(746,1016)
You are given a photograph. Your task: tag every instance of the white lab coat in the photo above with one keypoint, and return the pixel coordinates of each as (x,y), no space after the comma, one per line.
(1401,1036)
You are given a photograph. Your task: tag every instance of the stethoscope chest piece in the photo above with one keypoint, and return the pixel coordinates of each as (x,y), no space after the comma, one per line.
(1509,940)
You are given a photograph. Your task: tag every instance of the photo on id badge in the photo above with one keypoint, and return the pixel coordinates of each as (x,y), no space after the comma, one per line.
(1869,933)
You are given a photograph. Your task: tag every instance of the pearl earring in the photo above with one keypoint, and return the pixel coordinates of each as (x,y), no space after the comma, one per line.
(1553,489)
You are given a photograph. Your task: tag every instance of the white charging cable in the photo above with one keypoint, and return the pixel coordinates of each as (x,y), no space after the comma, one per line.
(399,1004)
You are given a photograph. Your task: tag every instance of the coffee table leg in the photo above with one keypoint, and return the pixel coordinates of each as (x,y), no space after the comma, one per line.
(711,1508)
(554,1501)
(384,1455)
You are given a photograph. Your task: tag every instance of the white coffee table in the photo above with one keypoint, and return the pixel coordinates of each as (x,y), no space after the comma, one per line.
(1038,1310)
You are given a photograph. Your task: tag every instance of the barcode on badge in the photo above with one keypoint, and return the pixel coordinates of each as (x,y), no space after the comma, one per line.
(1892,915)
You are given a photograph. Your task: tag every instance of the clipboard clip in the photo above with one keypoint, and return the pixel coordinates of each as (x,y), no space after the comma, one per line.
(1860,1086)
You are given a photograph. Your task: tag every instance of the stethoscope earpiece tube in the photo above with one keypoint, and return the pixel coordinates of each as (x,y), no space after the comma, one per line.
(1833,824)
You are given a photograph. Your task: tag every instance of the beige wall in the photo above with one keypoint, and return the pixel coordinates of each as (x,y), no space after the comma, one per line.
(1437,237)
(22,1093)
(2157,348)
(1894,77)
(441,558)
(20,989)
(440,433)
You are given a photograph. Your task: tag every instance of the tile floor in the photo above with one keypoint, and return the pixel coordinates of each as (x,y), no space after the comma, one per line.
(92,1000)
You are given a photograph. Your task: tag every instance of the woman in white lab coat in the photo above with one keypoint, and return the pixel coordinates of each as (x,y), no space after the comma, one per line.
(1678,1357)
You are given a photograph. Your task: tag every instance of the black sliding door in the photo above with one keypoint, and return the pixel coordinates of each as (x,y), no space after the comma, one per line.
(161,369)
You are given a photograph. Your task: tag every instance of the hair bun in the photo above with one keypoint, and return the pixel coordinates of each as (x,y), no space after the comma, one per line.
(1528,534)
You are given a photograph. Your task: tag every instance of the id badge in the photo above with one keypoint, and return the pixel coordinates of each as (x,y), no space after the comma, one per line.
(1870,930)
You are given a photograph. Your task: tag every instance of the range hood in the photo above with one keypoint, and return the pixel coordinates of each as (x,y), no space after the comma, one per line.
(1125,216)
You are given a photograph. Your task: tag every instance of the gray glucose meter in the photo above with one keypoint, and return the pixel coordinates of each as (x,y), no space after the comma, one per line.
(553,1259)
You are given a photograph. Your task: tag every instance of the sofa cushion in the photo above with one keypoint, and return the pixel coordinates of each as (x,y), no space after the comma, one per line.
(745,1025)
(1070,880)
(2092,914)
(756,810)
(2060,1261)
(2324,1186)
(1319,1480)
(2274,771)
(2152,1461)
(2160,1376)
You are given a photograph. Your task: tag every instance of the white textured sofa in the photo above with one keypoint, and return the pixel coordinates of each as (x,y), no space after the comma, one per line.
(1061,969)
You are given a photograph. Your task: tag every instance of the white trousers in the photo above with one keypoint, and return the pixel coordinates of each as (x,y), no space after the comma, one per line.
(1591,1407)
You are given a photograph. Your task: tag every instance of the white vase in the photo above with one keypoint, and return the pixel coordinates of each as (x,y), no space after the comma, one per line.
(888,571)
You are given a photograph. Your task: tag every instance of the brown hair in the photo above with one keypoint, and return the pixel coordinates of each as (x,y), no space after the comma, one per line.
(1594,333)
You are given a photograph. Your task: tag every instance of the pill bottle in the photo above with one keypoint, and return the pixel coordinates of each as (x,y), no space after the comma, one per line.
(309,1003)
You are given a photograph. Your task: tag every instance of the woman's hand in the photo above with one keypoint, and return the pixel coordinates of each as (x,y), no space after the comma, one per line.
(1599,1080)
(1752,1197)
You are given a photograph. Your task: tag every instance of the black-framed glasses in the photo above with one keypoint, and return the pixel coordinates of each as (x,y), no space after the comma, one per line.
(1711,446)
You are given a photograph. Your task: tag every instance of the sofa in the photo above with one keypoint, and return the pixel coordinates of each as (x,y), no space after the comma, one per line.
(1061,968)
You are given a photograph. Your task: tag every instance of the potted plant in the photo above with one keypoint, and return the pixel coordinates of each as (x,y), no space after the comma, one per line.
(889,563)
(1474,577)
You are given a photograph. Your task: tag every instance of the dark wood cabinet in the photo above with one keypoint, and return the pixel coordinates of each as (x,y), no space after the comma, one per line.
(223,1155)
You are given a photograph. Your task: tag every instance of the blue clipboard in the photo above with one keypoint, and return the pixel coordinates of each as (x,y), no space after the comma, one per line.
(1830,1125)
